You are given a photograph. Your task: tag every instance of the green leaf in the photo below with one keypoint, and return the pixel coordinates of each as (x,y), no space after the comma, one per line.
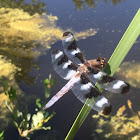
(16,114)
(47,92)
(48,84)
(16,124)
(46,128)
(8,106)
(38,102)
(12,94)
(2,135)
(47,81)
(53,81)
(28,117)
(19,114)
(4,83)
(28,138)
(36,119)
(46,115)
(117,57)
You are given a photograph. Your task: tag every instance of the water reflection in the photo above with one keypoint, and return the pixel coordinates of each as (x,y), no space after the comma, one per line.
(92,3)
(80,3)
(130,72)
(114,2)
(24,37)
(32,7)
(6,70)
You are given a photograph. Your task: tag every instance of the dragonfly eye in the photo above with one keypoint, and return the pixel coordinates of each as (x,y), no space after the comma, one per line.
(102,61)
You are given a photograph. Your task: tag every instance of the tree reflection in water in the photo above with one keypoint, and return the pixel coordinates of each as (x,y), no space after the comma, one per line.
(23,38)
(92,3)
(32,7)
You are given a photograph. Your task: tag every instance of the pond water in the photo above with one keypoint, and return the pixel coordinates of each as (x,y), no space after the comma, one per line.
(27,39)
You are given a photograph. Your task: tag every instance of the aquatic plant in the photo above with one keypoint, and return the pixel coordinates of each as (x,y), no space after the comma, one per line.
(2,135)
(117,57)
(26,123)
(48,83)
(118,126)
(21,36)
(133,73)
(24,37)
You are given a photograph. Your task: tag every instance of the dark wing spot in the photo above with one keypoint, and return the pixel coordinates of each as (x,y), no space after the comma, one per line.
(92,70)
(54,51)
(84,79)
(93,93)
(106,79)
(107,110)
(66,33)
(62,60)
(72,66)
(126,89)
(80,57)
(72,46)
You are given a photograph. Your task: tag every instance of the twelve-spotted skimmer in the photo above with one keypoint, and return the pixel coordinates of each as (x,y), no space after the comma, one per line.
(82,75)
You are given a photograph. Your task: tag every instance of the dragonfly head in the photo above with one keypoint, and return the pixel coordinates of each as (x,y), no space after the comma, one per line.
(102,61)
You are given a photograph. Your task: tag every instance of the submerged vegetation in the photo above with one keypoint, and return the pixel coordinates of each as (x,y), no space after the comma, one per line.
(120,126)
(133,73)
(25,122)
(7,70)
(23,38)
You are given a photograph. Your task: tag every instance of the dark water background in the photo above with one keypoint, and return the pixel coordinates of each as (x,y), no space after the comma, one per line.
(112,18)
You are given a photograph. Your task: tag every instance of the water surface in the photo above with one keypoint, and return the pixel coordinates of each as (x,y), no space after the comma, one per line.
(27,39)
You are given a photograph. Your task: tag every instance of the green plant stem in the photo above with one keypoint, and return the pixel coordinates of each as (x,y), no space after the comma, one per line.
(117,57)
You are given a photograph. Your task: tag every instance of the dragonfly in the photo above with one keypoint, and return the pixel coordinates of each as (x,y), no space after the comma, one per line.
(82,75)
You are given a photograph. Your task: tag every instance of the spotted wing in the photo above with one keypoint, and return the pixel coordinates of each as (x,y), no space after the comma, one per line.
(62,65)
(110,83)
(71,48)
(84,89)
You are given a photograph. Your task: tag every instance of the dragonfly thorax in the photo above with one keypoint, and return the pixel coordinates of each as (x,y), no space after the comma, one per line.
(82,68)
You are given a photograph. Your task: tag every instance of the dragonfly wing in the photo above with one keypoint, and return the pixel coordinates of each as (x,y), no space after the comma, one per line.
(63,91)
(71,48)
(84,89)
(62,65)
(110,83)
